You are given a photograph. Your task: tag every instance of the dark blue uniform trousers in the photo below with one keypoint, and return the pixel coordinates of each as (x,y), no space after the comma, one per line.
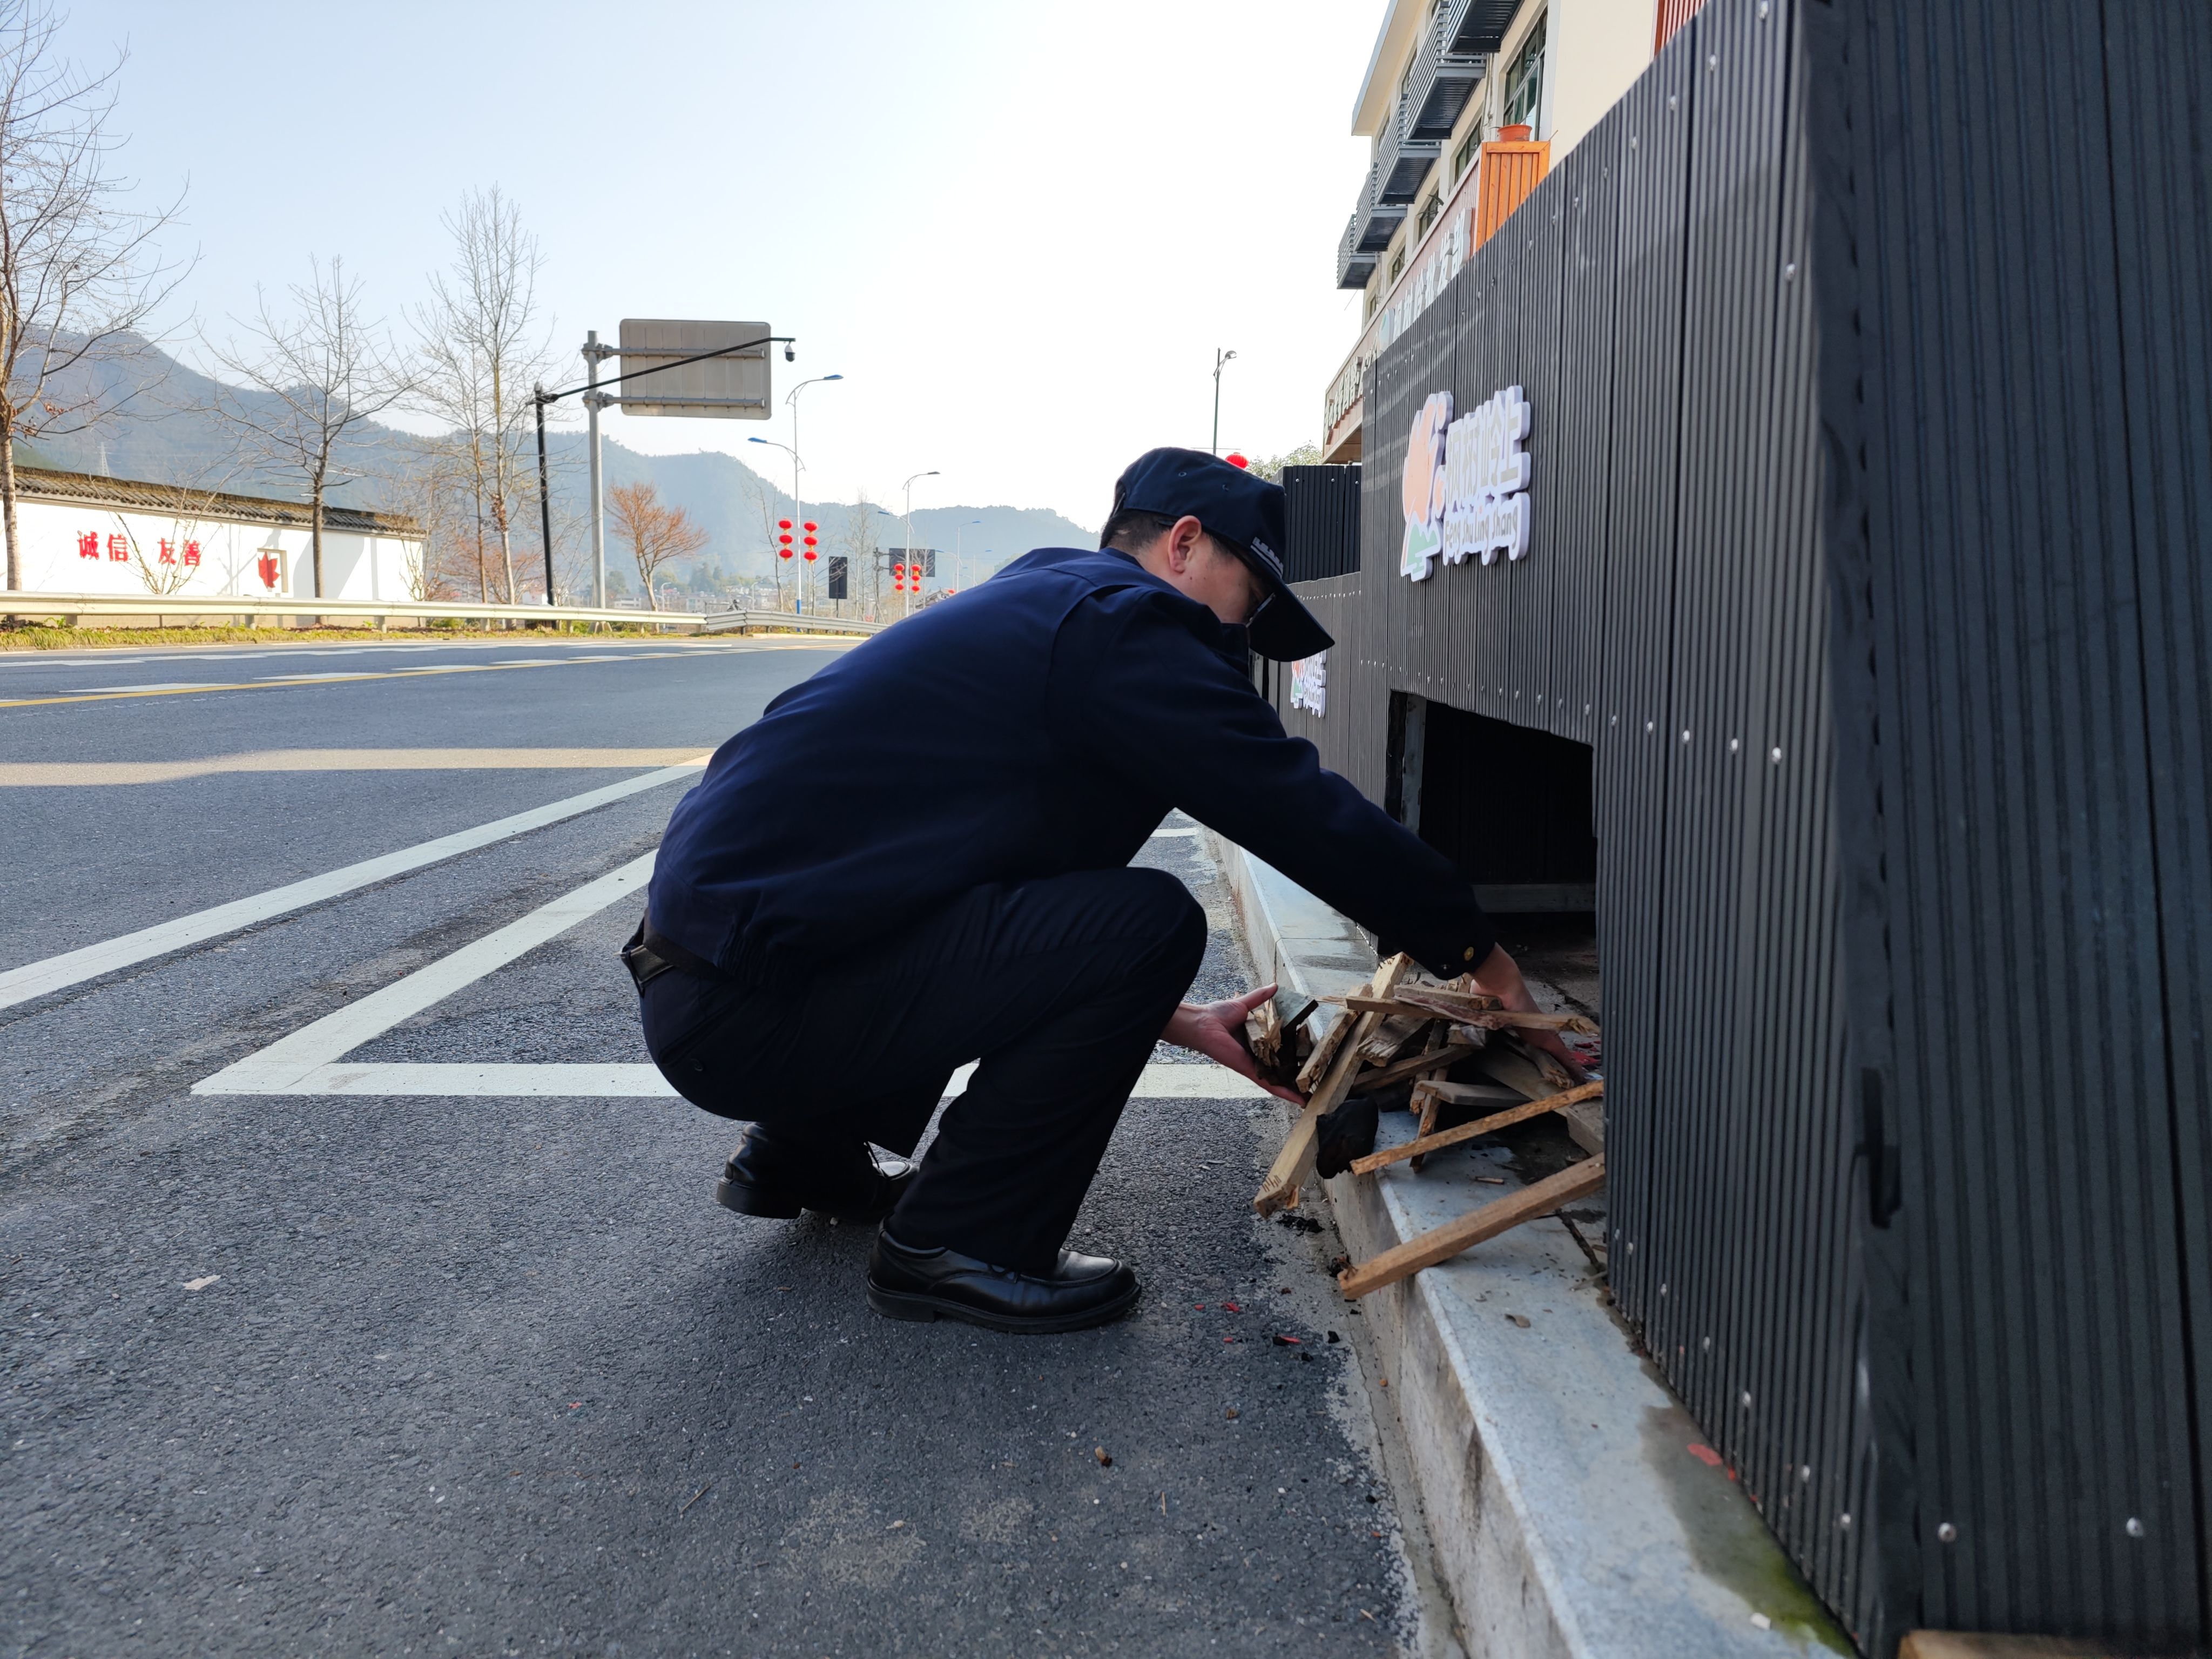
(1060,987)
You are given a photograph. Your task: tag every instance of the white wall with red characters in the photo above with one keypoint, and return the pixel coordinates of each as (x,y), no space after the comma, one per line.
(90,547)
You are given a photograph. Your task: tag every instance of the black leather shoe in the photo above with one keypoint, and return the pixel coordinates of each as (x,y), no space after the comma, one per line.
(767,1177)
(1081,1291)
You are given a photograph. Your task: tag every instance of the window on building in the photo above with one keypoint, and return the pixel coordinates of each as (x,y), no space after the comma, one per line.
(1464,158)
(1374,302)
(1427,215)
(1398,263)
(1524,83)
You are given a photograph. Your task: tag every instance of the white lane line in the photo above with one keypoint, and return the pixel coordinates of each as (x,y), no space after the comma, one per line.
(286,1063)
(312,1060)
(38,979)
(150,685)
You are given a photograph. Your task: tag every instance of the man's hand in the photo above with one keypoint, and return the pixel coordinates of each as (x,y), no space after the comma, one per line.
(1500,976)
(1216,1031)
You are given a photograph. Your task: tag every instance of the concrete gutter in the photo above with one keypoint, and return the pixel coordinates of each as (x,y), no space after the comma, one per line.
(1570,1513)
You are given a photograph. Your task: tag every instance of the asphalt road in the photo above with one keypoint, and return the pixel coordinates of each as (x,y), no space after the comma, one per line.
(493,1374)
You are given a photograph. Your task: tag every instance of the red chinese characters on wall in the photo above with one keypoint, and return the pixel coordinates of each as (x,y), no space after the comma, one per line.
(88,545)
(191,555)
(119,548)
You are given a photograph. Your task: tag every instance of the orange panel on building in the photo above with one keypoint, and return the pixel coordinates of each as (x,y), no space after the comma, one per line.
(1673,14)
(1511,167)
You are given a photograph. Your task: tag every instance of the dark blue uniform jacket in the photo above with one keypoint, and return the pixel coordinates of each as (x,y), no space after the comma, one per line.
(1042,722)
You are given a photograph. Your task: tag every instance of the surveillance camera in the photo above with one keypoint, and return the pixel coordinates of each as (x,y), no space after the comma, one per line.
(789,356)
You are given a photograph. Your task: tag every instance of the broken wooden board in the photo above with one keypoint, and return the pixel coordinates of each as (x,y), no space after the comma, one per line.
(1482,1125)
(1325,1051)
(1413,1066)
(1394,1033)
(1263,1034)
(1442,1244)
(1408,1005)
(1293,1165)
(1585,1120)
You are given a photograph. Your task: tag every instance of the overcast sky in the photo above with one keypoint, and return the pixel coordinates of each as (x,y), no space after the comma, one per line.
(1018,231)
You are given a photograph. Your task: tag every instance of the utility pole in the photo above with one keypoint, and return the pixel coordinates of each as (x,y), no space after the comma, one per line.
(1220,360)
(544,492)
(909,536)
(594,400)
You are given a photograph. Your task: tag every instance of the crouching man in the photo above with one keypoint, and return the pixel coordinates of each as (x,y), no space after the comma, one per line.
(920,857)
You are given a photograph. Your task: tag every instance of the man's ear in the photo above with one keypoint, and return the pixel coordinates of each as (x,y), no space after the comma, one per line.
(1184,537)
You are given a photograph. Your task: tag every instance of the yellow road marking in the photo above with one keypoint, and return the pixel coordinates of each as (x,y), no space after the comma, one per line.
(51,775)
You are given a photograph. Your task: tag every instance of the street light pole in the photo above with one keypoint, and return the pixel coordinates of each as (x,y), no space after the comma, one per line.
(909,536)
(792,399)
(1220,360)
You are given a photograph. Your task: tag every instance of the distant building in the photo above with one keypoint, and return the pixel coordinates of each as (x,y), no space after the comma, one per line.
(1448,88)
(84,534)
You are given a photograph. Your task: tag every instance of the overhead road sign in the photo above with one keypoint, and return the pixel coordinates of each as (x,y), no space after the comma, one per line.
(734,385)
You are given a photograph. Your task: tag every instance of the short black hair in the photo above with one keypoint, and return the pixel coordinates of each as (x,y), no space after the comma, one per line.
(1132,527)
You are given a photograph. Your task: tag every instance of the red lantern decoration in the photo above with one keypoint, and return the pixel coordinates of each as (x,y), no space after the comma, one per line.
(1235,459)
(811,527)
(783,524)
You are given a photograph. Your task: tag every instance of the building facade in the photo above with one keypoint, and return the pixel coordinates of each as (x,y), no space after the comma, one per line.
(81,534)
(1468,103)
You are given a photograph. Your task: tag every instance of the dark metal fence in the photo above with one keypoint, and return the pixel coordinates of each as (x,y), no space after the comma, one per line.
(1872,442)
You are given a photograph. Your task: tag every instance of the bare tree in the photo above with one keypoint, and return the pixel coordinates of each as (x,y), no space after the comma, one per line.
(655,531)
(860,544)
(308,379)
(78,274)
(766,499)
(484,342)
(171,563)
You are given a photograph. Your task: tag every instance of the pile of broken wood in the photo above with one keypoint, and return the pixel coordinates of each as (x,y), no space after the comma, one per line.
(1407,1032)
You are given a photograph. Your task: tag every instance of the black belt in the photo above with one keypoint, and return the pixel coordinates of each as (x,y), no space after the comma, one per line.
(649,953)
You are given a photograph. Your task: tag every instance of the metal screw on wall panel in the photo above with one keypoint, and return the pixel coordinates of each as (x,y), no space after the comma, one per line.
(1685,737)
(1947,1533)
(2134,1528)
(1790,271)
(1776,758)
(1713,62)
(1662,1289)
(1651,725)
(1672,100)
(1616,719)
(1746,1400)
(1844,1520)
(1735,744)
(1762,10)
(1632,141)
(1709,1344)
(1805,1473)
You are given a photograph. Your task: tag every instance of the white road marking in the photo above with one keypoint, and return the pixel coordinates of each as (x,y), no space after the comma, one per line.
(150,685)
(1165,835)
(38,979)
(312,1060)
(285,1064)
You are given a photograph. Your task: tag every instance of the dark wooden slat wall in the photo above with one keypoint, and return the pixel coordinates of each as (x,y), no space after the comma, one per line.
(1870,353)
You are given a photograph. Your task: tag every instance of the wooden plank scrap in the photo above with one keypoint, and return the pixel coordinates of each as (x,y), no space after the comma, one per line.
(1293,1165)
(1442,1244)
(1394,1033)
(1439,1060)
(1482,1125)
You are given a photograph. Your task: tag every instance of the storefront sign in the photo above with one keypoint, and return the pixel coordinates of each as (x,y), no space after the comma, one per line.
(1466,482)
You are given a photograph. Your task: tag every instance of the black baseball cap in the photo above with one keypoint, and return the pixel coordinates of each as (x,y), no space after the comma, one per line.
(1245,513)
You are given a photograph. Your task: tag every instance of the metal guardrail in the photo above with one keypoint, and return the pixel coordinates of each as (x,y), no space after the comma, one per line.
(23,604)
